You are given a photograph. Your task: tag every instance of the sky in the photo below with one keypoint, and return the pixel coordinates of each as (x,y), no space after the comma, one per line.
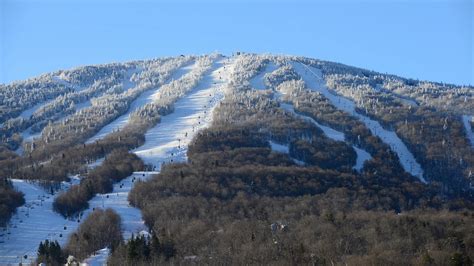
(421,39)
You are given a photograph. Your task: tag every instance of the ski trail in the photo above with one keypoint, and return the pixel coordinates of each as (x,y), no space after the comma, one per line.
(192,112)
(145,98)
(28,136)
(466,120)
(26,114)
(258,82)
(35,221)
(333,134)
(313,79)
(168,142)
(98,259)
(277,147)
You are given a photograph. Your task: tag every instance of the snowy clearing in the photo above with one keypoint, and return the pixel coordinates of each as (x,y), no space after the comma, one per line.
(313,79)
(466,120)
(279,147)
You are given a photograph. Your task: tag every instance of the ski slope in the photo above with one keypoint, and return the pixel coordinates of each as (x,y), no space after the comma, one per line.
(145,98)
(168,142)
(98,259)
(35,221)
(26,114)
(191,113)
(333,134)
(258,82)
(313,79)
(466,120)
(277,147)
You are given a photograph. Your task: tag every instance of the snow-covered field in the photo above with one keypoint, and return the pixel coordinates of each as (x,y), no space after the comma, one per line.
(313,79)
(466,119)
(145,98)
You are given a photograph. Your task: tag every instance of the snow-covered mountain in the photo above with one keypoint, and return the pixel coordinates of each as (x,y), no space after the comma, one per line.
(74,141)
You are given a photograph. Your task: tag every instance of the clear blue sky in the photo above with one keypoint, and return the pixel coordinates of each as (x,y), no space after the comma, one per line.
(424,39)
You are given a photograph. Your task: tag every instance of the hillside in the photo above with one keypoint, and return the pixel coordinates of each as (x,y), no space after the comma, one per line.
(243,159)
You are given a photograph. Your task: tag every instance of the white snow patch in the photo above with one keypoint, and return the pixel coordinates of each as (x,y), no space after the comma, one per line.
(466,119)
(258,82)
(279,147)
(276,147)
(314,80)
(98,259)
(362,157)
(26,114)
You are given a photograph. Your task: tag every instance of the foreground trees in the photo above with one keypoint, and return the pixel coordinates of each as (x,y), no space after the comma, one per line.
(10,199)
(101,229)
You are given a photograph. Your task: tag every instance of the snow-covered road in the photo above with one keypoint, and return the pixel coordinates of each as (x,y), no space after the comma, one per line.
(313,79)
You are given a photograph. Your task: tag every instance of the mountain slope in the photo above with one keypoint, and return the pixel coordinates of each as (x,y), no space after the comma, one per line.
(279,129)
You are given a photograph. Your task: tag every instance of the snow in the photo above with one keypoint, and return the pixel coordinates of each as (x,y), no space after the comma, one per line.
(333,134)
(65,83)
(34,222)
(276,147)
(362,157)
(466,119)
(26,114)
(258,82)
(279,147)
(145,98)
(192,113)
(98,259)
(95,163)
(313,79)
